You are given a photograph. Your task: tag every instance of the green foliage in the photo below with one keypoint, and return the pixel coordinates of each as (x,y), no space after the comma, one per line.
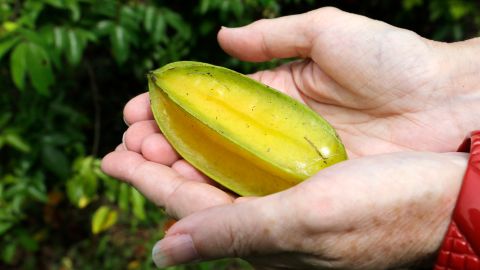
(67,67)
(103,219)
(452,19)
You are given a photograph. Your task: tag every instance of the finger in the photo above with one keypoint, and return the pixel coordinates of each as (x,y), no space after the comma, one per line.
(157,149)
(245,199)
(137,132)
(163,185)
(257,42)
(137,109)
(294,36)
(234,230)
(120,147)
(188,171)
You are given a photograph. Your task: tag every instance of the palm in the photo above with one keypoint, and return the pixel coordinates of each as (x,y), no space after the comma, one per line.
(377,103)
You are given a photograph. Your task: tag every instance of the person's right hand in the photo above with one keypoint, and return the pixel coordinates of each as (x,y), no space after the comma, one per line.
(383,88)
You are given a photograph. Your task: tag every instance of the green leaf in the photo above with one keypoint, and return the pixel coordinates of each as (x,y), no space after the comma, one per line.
(107,9)
(55,161)
(149,18)
(159,28)
(457,31)
(55,3)
(39,68)
(86,36)
(10,26)
(74,48)
(45,32)
(6,215)
(238,8)
(129,18)
(82,187)
(59,38)
(123,196)
(138,204)
(31,11)
(56,138)
(410,4)
(104,27)
(37,194)
(103,219)
(175,20)
(73,6)
(8,252)
(30,35)
(18,64)
(7,44)
(5,118)
(458,9)
(120,44)
(204,6)
(27,242)
(4,227)
(111,186)
(14,140)
(74,191)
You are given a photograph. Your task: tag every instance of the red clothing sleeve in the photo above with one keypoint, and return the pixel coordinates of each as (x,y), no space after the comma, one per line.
(461,247)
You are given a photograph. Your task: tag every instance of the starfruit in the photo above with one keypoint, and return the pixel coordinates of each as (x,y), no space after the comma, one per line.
(248,137)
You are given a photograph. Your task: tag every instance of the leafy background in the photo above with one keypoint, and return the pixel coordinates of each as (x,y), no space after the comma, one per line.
(67,67)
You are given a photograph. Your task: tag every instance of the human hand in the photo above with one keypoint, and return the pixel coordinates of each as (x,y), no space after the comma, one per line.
(148,162)
(383,88)
(352,89)
(377,212)
(370,213)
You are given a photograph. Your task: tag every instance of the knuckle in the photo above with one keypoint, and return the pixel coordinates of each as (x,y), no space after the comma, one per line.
(171,201)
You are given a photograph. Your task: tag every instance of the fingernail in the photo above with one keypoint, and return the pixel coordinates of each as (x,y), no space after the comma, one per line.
(123,140)
(226,27)
(174,250)
(125,121)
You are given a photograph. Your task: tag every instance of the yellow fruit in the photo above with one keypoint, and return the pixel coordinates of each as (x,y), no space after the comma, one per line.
(246,136)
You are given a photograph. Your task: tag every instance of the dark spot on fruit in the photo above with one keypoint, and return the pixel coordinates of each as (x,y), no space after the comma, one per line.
(152,77)
(316,149)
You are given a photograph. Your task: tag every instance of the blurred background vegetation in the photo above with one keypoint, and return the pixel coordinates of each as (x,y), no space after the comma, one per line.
(67,67)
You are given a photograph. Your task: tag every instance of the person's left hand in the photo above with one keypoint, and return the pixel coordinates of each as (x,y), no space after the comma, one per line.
(374,212)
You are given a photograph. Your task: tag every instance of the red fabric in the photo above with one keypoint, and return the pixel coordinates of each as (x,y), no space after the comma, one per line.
(461,247)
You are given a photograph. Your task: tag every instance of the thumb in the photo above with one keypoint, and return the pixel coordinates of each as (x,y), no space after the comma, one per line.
(266,39)
(234,230)
(283,37)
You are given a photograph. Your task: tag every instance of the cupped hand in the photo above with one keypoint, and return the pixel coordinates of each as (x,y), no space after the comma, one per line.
(378,212)
(383,88)
(148,162)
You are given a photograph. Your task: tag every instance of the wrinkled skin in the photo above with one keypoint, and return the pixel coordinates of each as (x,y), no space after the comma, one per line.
(385,90)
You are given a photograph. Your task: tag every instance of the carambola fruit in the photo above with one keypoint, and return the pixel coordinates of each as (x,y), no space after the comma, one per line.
(243,134)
